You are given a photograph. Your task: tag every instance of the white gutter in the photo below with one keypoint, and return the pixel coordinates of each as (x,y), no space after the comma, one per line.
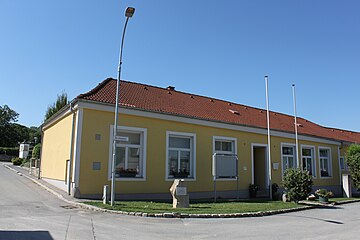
(71,158)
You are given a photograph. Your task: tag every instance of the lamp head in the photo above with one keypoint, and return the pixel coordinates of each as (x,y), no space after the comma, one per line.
(129,12)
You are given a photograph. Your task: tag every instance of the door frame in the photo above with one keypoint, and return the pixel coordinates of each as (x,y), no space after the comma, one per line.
(253,146)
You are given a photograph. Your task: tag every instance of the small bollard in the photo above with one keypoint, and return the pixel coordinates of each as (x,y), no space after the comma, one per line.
(106,194)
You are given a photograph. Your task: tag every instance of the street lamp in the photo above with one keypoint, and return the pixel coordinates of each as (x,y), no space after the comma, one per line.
(128,14)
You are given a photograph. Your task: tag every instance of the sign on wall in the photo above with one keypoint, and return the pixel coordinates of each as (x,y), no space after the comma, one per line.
(225,166)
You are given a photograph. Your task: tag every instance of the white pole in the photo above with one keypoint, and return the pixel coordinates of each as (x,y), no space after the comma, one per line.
(298,164)
(268,133)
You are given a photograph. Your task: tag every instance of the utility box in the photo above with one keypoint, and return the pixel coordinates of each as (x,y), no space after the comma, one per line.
(24,150)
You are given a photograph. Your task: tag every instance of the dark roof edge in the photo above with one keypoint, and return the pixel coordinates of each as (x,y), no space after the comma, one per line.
(94,90)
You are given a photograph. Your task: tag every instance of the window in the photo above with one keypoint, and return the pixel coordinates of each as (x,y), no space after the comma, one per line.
(288,157)
(180,155)
(130,153)
(343,164)
(224,145)
(325,162)
(308,160)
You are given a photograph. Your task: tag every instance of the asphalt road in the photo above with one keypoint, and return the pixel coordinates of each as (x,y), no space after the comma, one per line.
(29,212)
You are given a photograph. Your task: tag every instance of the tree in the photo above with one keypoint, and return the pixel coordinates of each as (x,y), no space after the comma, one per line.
(35,132)
(7,115)
(353,162)
(11,132)
(7,118)
(61,101)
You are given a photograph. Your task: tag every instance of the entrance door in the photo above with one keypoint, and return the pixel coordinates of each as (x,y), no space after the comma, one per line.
(260,167)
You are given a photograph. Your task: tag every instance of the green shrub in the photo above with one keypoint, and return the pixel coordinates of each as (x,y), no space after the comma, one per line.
(26,163)
(298,184)
(17,161)
(9,151)
(322,192)
(36,151)
(353,162)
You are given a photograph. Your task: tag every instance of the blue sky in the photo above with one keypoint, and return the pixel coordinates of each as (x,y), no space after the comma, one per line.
(220,49)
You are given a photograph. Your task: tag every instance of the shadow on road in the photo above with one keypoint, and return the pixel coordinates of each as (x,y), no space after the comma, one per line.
(25,235)
(320,219)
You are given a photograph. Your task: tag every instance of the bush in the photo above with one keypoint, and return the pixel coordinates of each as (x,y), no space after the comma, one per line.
(10,151)
(353,162)
(322,192)
(36,151)
(17,161)
(25,162)
(298,184)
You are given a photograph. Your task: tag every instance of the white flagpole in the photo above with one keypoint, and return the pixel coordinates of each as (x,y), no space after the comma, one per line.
(268,133)
(298,164)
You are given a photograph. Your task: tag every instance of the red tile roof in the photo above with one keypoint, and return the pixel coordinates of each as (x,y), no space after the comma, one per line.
(162,100)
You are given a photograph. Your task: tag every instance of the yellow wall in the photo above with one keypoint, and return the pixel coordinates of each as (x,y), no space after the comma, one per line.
(56,149)
(99,122)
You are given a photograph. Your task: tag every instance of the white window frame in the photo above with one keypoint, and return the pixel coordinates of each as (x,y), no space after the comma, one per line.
(282,156)
(313,161)
(143,144)
(192,137)
(225,139)
(329,163)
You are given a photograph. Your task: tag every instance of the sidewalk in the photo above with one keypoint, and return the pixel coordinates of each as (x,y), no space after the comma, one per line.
(47,186)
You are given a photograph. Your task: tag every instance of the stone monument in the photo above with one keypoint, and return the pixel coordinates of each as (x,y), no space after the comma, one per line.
(179,193)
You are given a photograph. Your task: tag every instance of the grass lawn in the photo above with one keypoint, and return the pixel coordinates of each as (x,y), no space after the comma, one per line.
(198,208)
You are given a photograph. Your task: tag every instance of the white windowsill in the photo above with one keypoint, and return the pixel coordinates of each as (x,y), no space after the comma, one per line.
(186,179)
(331,177)
(225,179)
(138,179)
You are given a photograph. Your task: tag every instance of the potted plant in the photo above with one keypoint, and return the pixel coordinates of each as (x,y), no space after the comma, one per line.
(121,172)
(253,188)
(324,195)
(274,189)
(180,174)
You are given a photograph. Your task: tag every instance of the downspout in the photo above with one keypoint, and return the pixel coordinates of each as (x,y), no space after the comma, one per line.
(41,147)
(340,171)
(71,158)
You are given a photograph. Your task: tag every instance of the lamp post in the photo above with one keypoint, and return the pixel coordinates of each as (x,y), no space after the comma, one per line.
(128,14)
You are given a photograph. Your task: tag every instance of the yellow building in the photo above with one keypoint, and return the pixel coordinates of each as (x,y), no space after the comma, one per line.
(166,134)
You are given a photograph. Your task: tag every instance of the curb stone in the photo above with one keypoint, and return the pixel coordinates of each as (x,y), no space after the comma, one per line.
(174,214)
